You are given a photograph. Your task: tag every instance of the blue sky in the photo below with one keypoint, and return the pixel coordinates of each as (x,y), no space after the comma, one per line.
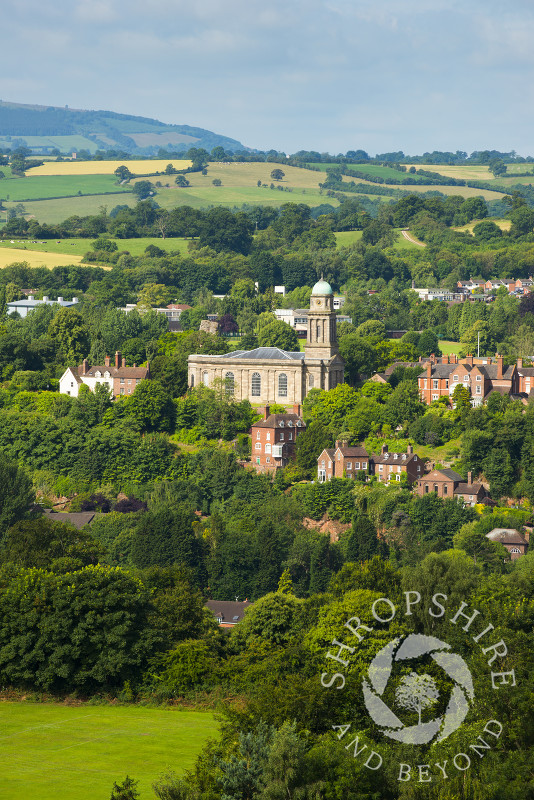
(327,75)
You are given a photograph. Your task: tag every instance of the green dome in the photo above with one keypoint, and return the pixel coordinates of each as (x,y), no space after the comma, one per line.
(322,287)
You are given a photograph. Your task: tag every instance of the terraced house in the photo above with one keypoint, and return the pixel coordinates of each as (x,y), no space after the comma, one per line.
(120,379)
(480,376)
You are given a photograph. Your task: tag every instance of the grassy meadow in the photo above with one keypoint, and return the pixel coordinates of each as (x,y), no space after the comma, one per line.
(79,752)
(21,189)
(78,247)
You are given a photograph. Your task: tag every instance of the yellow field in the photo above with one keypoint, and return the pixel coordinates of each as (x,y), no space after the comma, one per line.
(36,258)
(469,172)
(248,174)
(504,225)
(105,167)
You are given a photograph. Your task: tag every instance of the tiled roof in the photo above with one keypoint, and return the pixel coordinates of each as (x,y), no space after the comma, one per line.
(77,518)
(260,354)
(353,452)
(274,420)
(117,372)
(229,612)
(389,458)
(506,536)
(468,488)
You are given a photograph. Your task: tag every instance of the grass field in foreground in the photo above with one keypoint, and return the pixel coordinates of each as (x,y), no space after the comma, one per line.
(49,751)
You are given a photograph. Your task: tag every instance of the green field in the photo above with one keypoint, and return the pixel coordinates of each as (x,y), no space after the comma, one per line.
(79,752)
(51,186)
(372,169)
(448,347)
(346,238)
(52,211)
(79,247)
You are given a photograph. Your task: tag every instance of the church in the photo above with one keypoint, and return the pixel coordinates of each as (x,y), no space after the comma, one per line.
(271,375)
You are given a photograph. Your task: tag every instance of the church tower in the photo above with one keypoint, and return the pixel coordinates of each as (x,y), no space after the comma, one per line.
(322,326)
(324,366)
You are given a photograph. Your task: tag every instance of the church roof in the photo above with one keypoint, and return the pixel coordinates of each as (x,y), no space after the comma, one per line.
(265,353)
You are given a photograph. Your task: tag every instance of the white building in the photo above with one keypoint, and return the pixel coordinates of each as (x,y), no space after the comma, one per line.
(23,307)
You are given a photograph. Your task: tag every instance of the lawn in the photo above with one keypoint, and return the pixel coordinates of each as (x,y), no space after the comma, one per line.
(53,211)
(51,186)
(136,167)
(50,750)
(448,347)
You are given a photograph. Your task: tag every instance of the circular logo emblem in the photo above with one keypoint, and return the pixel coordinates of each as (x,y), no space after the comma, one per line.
(417,691)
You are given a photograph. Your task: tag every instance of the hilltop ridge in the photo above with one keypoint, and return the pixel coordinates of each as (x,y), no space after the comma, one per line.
(47,128)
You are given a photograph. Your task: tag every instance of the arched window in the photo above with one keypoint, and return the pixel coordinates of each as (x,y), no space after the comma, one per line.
(229,382)
(436,488)
(282,385)
(192,380)
(310,381)
(426,488)
(205,378)
(256,384)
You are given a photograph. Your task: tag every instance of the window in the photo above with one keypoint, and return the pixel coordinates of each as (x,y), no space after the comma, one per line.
(436,488)
(339,456)
(107,375)
(455,378)
(290,435)
(425,382)
(98,374)
(479,377)
(268,460)
(282,385)
(398,477)
(415,458)
(205,378)
(122,380)
(258,434)
(479,390)
(310,381)
(357,465)
(515,550)
(129,382)
(466,378)
(445,489)
(258,446)
(435,384)
(256,384)
(426,488)
(435,397)
(281,436)
(229,383)
(268,436)
(192,380)
(349,464)
(267,448)
(446,384)
(122,390)
(380,467)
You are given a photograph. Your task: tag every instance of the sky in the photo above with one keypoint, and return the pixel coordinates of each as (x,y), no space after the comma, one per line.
(326,75)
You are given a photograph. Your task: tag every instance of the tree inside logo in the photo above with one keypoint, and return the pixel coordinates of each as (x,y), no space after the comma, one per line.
(417,691)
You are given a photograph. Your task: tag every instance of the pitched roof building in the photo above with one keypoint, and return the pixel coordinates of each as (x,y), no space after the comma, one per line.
(512,539)
(273,439)
(447,483)
(228,612)
(480,376)
(120,379)
(272,375)
(343,461)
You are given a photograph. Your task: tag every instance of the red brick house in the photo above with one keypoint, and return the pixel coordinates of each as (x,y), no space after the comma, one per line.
(512,539)
(447,483)
(342,462)
(119,378)
(273,439)
(480,376)
(346,462)
(391,466)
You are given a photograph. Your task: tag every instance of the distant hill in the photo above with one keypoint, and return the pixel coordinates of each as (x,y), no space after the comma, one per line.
(45,128)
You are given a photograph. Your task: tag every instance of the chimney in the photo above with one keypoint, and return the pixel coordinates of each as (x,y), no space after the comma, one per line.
(60,299)
(117,359)
(409,449)
(45,298)
(469,360)
(428,369)
(338,443)
(266,411)
(499,366)
(135,365)
(469,478)
(107,361)
(384,449)
(124,361)
(432,357)
(85,366)
(296,409)
(519,363)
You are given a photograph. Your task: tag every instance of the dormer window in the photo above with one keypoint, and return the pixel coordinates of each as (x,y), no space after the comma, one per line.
(395,456)
(106,374)
(289,424)
(404,456)
(299,424)
(98,374)
(386,456)
(281,423)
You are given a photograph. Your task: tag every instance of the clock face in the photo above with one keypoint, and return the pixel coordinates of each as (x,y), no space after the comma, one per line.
(318,302)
